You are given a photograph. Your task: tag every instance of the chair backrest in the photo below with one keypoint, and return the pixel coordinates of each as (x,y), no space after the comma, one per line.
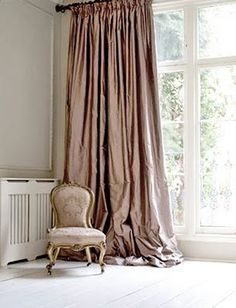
(72,205)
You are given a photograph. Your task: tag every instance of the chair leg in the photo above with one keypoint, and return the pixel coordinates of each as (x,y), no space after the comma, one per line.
(102,254)
(53,252)
(88,256)
(56,253)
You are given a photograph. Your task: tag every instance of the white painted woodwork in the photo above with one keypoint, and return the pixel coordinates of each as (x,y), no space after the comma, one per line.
(25,215)
(26,84)
(73,284)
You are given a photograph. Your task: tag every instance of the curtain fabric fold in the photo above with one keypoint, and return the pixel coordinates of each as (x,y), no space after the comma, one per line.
(113,139)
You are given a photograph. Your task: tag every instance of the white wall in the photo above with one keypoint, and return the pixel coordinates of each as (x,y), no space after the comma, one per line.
(60,126)
(29,56)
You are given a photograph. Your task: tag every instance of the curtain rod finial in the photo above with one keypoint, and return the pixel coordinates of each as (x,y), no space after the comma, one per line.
(60,8)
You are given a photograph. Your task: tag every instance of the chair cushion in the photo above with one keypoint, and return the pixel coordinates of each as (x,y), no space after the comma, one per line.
(76,235)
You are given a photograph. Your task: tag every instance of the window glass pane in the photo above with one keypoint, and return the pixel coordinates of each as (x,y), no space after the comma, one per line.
(216,26)
(172,94)
(173,138)
(218,93)
(218,147)
(174,162)
(218,199)
(176,188)
(171,100)
(169,29)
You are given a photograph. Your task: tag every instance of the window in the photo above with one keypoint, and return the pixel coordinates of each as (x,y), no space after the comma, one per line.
(215,24)
(170,35)
(196,53)
(173,126)
(170,47)
(217,147)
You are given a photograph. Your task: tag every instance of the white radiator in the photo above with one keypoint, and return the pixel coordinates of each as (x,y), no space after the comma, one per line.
(25,215)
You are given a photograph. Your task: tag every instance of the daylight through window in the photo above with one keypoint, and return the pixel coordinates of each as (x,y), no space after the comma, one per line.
(197,76)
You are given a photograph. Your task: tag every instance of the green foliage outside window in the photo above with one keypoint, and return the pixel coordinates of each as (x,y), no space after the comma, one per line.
(171,99)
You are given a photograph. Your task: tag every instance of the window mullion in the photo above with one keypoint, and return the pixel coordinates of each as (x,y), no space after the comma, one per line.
(190,120)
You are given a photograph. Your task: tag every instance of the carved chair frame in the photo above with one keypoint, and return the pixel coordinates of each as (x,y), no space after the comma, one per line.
(54,249)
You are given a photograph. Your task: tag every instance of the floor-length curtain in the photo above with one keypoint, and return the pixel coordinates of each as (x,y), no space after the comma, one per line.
(113,140)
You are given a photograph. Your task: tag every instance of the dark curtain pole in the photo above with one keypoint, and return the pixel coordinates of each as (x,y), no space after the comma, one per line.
(62,8)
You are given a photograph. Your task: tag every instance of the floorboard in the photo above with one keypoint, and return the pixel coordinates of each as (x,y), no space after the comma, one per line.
(192,284)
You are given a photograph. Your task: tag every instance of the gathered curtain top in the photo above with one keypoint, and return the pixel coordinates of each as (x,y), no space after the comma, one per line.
(86,9)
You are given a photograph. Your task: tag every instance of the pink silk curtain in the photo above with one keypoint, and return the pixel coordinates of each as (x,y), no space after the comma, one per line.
(114,141)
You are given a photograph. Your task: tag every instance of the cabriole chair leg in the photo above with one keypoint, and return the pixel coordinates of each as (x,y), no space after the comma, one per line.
(52,254)
(88,256)
(102,254)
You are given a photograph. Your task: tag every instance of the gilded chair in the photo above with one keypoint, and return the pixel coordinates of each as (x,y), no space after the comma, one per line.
(72,207)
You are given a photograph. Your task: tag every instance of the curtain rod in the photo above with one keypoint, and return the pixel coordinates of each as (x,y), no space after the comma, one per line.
(62,8)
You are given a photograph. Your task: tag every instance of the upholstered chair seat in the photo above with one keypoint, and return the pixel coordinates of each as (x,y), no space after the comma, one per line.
(80,236)
(73,208)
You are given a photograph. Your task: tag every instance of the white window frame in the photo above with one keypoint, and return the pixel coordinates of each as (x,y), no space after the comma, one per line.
(190,66)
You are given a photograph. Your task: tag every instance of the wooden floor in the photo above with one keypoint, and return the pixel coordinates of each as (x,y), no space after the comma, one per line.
(191,284)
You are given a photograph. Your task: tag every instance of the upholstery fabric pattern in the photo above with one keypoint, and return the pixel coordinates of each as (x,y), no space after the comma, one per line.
(71,236)
(71,205)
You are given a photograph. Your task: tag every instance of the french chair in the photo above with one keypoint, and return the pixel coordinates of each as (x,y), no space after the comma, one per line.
(73,207)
